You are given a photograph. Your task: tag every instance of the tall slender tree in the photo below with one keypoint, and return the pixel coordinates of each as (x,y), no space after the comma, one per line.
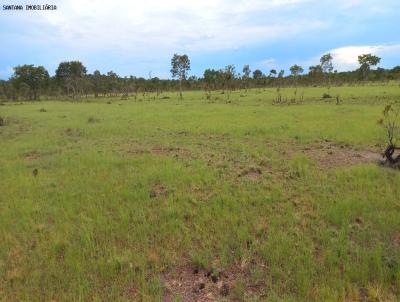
(246,75)
(180,66)
(296,70)
(327,67)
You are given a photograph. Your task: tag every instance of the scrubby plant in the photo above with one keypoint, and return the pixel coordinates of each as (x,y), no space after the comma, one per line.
(390,122)
(2,121)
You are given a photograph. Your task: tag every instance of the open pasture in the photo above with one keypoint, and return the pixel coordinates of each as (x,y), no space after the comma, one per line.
(220,199)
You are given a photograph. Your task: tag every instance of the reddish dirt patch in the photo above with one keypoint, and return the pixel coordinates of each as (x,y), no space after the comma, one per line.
(36,155)
(330,155)
(201,285)
(252,173)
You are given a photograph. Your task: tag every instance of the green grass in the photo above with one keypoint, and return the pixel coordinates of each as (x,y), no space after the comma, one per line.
(129,191)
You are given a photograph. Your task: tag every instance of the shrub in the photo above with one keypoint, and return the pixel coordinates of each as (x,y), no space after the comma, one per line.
(326,96)
(390,122)
(2,121)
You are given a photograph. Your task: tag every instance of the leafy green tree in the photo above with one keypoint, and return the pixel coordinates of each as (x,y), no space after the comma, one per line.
(327,67)
(272,73)
(211,77)
(230,75)
(31,79)
(112,83)
(296,70)
(70,74)
(366,61)
(97,82)
(257,74)
(326,63)
(246,72)
(180,66)
(315,73)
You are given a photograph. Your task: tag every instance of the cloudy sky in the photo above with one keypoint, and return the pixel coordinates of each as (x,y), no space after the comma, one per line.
(138,37)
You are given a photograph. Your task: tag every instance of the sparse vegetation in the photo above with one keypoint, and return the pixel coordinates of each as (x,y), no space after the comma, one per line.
(71,80)
(188,199)
(390,122)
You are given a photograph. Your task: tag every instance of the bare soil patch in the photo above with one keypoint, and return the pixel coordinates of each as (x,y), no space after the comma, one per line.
(328,155)
(252,173)
(201,285)
(36,155)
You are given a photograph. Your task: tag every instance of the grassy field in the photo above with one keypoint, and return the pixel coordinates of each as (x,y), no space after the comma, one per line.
(199,200)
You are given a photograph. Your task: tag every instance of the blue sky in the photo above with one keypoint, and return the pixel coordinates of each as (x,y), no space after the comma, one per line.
(138,37)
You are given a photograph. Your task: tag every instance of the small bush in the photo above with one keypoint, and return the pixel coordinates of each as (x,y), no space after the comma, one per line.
(42,110)
(326,96)
(2,121)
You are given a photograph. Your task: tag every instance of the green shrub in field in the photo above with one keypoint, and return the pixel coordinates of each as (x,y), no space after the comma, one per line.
(390,122)
(2,121)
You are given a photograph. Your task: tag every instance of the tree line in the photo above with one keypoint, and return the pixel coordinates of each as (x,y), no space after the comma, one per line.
(71,79)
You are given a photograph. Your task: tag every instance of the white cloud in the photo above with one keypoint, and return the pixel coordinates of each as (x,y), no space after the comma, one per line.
(346,58)
(144,34)
(174,25)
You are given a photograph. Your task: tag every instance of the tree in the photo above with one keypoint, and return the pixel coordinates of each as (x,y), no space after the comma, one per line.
(97,82)
(315,72)
(230,75)
(29,77)
(70,74)
(246,75)
(210,78)
(180,66)
(366,61)
(272,73)
(257,74)
(246,71)
(296,70)
(326,63)
(112,83)
(327,66)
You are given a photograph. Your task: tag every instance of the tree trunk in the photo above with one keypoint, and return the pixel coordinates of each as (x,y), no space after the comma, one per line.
(180,88)
(391,161)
